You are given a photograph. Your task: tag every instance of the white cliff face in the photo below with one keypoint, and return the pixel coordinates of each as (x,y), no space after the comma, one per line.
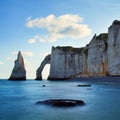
(65,62)
(18,72)
(101,57)
(83,63)
(68,62)
(96,59)
(113,51)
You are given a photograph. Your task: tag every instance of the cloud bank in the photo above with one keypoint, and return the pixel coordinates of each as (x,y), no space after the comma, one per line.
(64,26)
(35,39)
(1,63)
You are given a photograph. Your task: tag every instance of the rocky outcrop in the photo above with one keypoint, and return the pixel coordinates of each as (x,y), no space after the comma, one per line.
(101,57)
(40,69)
(84,85)
(18,72)
(61,102)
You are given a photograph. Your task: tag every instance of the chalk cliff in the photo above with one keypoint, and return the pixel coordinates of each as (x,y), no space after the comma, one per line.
(96,58)
(101,57)
(113,51)
(18,72)
(65,62)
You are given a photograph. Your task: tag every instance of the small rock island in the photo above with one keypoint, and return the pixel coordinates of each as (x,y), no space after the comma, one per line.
(18,72)
(62,102)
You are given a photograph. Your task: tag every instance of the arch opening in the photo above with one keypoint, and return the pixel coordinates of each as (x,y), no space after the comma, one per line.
(46,71)
(41,68)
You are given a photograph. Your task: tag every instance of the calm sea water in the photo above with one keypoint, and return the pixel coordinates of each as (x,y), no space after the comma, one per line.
(17,100)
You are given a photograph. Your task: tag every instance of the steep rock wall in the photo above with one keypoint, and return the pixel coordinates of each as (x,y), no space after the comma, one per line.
(113,51)
(65,62)
(101,57)
(97,58)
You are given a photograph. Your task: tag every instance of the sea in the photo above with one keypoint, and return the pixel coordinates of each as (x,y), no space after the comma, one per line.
(18,98)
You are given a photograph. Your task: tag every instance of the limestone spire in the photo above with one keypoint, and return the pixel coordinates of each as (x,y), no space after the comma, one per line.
(18,72)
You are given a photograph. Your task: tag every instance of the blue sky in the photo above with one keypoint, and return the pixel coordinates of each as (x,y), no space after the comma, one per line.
(34,26)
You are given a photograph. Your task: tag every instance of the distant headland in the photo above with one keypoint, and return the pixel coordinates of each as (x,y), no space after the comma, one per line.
(101,57)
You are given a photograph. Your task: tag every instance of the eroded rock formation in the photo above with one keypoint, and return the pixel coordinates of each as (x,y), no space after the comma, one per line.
(18,72)
(40,69)
(101,57)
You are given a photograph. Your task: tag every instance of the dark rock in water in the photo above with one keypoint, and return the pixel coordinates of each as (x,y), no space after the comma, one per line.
(86,85)
(62,102)
(43,85)
(89,89)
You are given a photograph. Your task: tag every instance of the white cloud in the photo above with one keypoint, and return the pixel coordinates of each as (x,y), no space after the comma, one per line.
(36,38)
(39,38)
(68,25)
(30,54)
(31,41)
(10,59)
(1,63)
(27,53)
(27,63)
(14,53)
(42,40)
(44,54)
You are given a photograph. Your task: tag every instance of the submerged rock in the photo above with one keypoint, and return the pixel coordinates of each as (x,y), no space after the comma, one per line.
(43,86)
(62,102)
(85,85)
(18,72)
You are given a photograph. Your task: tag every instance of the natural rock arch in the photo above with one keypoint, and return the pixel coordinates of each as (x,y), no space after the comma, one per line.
(41,67)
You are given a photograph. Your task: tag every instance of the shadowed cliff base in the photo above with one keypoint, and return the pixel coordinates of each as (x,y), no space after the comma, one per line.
(49,78)
(17,79)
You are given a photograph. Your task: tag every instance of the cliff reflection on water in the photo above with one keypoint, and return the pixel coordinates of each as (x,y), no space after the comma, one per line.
(17,100)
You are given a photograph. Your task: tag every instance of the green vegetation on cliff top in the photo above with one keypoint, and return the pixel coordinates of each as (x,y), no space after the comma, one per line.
(116,22)
(102,36)
(71,49)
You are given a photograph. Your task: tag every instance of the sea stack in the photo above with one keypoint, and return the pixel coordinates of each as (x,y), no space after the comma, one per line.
(18,72)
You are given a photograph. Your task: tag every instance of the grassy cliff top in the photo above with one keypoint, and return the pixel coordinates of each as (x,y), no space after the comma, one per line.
(116,22)
(70,48)
(102,36)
